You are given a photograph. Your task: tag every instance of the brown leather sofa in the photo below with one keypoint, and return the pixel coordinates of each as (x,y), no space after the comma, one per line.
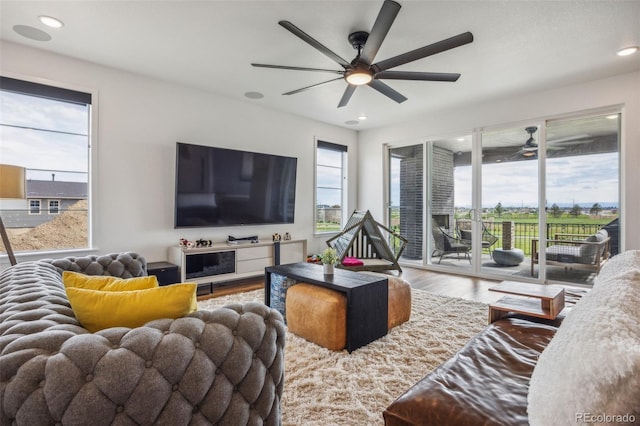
(486,382)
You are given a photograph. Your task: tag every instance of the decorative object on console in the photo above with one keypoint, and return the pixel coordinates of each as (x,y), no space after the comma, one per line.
(186,244)
(276,237)
(329,258)
(287,236)
(203,243)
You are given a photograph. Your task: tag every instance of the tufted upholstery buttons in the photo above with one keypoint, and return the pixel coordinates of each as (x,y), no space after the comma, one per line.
(122,265)
(165,354)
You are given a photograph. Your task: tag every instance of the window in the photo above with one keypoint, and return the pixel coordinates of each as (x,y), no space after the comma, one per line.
(331,176)
(34,207)
(44,132)
(54,206)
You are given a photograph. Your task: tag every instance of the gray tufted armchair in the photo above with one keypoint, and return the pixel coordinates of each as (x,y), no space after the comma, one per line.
(224,366)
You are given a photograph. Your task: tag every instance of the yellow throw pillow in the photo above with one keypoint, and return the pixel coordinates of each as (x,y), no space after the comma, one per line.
(97,310)
(107,283)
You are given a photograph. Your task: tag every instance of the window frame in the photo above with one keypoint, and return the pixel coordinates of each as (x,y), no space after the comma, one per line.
(57,208)
(331,146)
(32,203)
(54,89)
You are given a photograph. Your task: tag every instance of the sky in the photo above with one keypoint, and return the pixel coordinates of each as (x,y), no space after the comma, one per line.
(585,180)
(60,143)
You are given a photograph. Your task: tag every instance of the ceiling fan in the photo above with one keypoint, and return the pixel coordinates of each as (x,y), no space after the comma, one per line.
(530,147)
(361,70)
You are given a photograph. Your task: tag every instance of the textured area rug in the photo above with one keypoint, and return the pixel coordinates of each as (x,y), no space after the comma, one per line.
(323,387)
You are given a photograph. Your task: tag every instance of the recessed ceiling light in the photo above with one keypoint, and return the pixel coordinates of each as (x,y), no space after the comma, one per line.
(50,21)
(627,51)
(254,95)
(31,33)
(362,117)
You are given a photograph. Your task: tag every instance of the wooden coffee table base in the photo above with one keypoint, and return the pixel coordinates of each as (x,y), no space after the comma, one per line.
(536,300)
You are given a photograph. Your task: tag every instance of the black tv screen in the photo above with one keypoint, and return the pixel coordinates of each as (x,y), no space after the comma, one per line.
(226,187)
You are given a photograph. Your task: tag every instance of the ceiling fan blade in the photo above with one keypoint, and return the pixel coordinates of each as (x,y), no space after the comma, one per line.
(348,92)
(422,76)
(381,27)
(313,42)
(286,67)
(387,91)
(423,52)
(293,92)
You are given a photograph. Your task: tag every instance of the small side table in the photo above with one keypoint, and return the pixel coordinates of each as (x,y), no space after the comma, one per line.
(167,273)
(536,300)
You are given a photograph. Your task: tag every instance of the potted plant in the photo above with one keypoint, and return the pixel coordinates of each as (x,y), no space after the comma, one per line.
(329,258)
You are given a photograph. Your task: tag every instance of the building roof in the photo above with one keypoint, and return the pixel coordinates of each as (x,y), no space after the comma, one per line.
(56,189)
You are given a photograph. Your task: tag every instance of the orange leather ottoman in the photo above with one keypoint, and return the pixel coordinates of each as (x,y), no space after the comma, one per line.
(399,301)
(317,314)
(399,304)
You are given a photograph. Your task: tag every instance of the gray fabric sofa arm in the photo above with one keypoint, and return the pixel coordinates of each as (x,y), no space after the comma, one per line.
(224,366)
(121,265)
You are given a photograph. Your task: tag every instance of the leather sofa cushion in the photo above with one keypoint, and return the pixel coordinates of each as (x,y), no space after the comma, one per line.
(485,383)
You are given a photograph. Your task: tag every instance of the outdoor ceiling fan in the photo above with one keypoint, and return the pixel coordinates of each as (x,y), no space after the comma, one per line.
(530,147)
(361,70)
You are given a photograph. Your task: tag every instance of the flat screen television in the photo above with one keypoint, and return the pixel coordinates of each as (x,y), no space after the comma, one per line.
(227,187)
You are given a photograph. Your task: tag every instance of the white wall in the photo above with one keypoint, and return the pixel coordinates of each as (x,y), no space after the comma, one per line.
(623,90)
(139,122)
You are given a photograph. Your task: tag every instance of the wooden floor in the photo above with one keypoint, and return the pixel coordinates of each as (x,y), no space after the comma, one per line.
(446,284)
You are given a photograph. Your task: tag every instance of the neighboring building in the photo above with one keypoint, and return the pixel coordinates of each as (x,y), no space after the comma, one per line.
(45,200)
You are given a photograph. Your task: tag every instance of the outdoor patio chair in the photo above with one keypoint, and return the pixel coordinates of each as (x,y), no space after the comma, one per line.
(448,244)
(573,251)
(488,239)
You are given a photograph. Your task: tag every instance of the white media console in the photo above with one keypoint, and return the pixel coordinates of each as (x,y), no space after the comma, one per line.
(228,262)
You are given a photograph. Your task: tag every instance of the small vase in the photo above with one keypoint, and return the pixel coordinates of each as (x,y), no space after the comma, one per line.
(328,268)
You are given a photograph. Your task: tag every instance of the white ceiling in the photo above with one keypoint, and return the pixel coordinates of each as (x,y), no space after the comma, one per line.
(519,47)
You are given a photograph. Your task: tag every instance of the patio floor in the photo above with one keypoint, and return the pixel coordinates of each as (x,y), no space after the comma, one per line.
(554,273)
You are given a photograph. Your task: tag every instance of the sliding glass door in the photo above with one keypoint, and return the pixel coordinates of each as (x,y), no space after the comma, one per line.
(582,189)
(538,201)
(510,193)
(450,202)
(406,207)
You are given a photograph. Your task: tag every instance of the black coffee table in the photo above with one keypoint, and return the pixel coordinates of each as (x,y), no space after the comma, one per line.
(367,297)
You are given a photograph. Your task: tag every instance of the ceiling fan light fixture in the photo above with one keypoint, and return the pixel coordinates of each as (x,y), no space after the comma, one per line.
(359,77)
(627,51)
(50,21)
(529,153)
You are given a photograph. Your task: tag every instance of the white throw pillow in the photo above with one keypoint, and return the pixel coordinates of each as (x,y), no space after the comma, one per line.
(590,371)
